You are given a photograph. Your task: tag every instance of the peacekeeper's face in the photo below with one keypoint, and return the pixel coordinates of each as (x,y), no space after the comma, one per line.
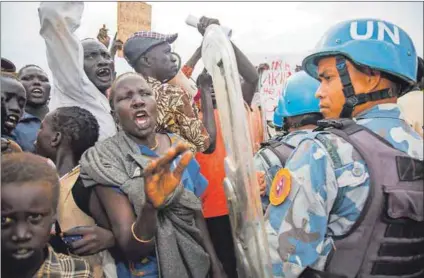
(330,92)
(98,64)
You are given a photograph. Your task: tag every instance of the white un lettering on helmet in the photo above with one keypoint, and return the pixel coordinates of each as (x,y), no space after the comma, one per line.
(382,29)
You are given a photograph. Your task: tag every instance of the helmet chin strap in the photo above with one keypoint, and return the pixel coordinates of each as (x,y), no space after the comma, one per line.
(352,99)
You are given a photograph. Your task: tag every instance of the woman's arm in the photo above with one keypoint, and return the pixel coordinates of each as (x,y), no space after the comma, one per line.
(121,218)
(135,234)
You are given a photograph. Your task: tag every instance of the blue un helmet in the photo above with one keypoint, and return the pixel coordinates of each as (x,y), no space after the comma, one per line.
(371,43)
(298,98)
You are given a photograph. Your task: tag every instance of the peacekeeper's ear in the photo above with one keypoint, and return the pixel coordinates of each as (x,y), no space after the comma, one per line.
(373,77)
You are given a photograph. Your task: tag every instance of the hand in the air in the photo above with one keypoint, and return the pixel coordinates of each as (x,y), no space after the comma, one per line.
(204,22)
(260,176)
(263,67)
(117,44)
(94,239)
(103,37)
(159,180)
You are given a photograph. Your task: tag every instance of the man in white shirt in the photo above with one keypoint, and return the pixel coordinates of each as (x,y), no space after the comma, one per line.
(412,104)
(82,70)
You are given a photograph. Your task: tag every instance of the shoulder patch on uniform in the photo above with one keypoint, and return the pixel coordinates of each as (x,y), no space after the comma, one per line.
(280,187)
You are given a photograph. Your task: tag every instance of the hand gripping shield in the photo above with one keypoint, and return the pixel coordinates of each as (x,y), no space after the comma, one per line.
(241,187)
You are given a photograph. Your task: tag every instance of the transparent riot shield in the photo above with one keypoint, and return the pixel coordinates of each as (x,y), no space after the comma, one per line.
(241,187)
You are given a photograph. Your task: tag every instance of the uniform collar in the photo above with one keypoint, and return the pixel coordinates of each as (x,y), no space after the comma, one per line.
(386,110)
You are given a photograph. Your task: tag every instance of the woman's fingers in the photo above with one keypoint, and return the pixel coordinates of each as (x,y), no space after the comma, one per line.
(182,164)
(159,180)
(166,160)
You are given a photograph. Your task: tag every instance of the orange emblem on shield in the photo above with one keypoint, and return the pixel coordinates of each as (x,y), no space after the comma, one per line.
(280,187)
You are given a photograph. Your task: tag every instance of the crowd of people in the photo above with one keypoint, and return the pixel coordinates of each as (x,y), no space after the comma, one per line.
(122,176)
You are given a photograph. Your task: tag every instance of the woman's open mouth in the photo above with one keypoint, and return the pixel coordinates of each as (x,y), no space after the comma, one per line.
(142,119)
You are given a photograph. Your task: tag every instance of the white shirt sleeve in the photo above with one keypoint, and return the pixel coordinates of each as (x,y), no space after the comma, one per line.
(65,56)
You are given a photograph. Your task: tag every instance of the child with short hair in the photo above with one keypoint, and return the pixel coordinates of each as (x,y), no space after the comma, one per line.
(29,197)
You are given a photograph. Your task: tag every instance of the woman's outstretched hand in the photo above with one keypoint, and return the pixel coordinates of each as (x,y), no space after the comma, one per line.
(159,180)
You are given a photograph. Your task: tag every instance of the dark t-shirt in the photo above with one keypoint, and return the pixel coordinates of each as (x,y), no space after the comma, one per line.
(81,196)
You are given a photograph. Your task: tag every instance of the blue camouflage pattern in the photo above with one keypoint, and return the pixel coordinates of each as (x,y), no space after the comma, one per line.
(329,188)
(260,164)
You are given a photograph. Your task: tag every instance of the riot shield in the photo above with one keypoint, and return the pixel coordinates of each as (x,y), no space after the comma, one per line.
(241,187)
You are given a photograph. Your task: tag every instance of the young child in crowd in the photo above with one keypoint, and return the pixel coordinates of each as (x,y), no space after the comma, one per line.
(29,197)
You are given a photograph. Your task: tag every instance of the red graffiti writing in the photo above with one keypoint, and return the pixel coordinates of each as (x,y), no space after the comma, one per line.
(272,83)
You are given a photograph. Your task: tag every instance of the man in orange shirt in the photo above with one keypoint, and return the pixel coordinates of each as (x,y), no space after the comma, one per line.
(214,203)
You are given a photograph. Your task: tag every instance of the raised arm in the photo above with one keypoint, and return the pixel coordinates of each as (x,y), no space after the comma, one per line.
(65,55)
(245,67)
(191,63)
(249,74)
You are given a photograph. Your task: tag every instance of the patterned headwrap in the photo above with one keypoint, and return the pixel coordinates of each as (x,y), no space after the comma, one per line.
(140,42)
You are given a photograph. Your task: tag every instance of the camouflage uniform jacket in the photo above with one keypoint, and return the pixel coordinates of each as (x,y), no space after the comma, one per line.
(324,200)
(292,139)
(177,115)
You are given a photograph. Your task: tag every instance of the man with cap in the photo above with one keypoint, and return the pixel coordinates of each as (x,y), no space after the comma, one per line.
(149,53)
(82,70)
(350,203)
(7,66)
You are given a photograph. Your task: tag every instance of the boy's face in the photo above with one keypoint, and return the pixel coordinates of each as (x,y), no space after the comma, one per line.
(26,219)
